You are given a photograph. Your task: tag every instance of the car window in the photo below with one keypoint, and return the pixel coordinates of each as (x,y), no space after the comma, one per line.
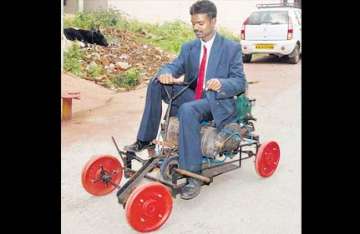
(268,17)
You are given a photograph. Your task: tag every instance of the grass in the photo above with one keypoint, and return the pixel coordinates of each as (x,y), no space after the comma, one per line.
(127,79)
(72,60)
(94,19)
(95,70)
(168,36)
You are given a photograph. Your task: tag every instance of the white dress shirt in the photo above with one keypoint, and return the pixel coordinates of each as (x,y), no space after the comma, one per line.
(208,46)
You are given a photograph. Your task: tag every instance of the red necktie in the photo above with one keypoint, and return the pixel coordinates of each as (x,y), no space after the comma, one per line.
(200,80)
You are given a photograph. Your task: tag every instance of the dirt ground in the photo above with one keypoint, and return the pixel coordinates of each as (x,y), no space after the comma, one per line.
(247,203)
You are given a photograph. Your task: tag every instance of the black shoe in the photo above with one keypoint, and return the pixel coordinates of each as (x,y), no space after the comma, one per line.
(191,189)
(139,145)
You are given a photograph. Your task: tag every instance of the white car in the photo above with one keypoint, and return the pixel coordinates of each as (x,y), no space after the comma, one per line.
(272,29)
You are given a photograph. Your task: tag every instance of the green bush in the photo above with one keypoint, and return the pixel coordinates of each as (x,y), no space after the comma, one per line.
(68,21)
(169,36)
(95,70)
(95,19)
(127,79)
(72,60)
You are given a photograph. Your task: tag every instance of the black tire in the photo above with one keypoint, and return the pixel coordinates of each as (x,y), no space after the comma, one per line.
(167,165)
(294,57)
(247,58)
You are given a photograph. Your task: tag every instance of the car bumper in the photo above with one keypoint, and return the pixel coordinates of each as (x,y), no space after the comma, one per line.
(279,47)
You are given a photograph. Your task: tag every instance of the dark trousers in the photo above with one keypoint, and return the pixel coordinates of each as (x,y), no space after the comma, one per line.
(190,113)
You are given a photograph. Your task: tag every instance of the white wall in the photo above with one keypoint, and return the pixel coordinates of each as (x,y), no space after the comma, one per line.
(71,6)
(231,13)
(90,5)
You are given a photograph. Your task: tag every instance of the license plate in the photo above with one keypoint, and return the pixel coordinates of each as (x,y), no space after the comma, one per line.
(264,46)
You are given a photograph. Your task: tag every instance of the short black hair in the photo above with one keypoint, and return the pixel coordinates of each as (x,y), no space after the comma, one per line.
(204,7)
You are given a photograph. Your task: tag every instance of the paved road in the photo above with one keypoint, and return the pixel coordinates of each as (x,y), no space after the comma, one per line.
(237,202)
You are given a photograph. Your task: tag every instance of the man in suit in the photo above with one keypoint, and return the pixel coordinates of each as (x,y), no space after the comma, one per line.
(215,65)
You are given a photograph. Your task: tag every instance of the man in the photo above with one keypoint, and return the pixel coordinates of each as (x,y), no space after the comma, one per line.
(215,65)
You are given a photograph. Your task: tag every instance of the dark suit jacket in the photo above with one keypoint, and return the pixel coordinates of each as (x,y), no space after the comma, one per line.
(225,63)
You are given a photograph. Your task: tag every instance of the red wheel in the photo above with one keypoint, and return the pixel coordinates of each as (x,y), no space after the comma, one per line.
(148,207)
(267,158)
(100,174)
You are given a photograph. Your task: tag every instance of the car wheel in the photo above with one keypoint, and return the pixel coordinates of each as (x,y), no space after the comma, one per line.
(294,57)
(247,58)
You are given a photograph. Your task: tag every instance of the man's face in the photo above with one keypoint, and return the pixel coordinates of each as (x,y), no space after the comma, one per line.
(203,26)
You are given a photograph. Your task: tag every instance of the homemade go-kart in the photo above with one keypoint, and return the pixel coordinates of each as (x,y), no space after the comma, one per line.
(148,206)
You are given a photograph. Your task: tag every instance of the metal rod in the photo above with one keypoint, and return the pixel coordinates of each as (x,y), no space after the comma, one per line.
(134,156)
(248,144)
(171,99)
(119,151)
(167,93)
(193,175)
(167,115)
(181,91)
(147,176)
(240,153)
(219,165)
(246,158)
(126,189)
(232,161)
(167,119)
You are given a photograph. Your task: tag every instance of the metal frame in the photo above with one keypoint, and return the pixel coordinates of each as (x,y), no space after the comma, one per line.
(208,173)
(153,162)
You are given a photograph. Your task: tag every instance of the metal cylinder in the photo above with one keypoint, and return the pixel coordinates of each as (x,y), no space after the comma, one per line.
(212,141)
(228,139)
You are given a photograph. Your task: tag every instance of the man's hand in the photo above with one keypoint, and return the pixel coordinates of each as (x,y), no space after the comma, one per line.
(169,79)
(213,84)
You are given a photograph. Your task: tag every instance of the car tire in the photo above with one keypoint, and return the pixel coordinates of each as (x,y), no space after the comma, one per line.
(247,58)
(294,57)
